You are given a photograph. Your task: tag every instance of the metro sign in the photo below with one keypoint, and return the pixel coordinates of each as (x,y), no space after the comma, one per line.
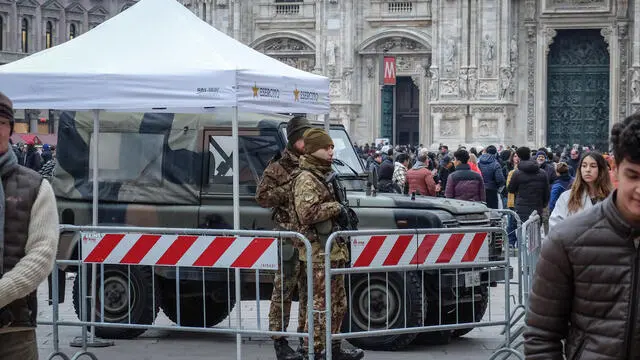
(389,68)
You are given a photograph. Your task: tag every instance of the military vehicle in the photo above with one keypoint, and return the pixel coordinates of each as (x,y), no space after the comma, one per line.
(174,170)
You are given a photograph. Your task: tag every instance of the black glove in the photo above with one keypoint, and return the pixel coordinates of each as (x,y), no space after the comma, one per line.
(343,218)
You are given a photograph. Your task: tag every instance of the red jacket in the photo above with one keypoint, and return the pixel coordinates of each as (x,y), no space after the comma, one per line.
(421,181)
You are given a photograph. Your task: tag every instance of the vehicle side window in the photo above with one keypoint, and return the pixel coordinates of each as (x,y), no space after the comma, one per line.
(256,149)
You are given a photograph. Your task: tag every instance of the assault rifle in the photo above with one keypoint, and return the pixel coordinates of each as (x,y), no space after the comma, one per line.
(347,220)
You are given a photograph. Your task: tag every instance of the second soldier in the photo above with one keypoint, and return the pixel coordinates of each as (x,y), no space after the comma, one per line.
(276,191)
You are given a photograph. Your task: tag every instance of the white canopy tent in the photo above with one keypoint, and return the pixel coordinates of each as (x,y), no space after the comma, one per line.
(137,62)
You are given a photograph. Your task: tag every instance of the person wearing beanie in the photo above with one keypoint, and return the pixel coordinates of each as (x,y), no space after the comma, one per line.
(492,175)
(317,209)
(530,185)
(29,237)
(275,191)
(562,184)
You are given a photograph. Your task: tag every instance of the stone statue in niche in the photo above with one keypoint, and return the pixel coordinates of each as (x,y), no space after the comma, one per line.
(635,85)
(513,49)
(434,84)
(462,84)
(450,51)
(346,82)
(506,83)
(484,128)
(473,83)
(331,57)
(489,48)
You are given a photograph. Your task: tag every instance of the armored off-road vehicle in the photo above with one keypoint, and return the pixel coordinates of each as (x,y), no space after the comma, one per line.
(174,170)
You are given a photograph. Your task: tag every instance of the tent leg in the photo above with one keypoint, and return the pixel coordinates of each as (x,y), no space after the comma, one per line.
(236,220)
(327,123)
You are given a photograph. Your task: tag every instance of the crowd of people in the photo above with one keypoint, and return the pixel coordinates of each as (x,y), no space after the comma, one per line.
(517,178)
(41,159)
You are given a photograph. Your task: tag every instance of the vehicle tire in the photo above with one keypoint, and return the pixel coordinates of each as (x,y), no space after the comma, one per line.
(397,303)
(440,337)
(466,312)
(191,307)
(116,306)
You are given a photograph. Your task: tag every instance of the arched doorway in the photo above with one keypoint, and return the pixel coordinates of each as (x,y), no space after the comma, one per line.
(578,89)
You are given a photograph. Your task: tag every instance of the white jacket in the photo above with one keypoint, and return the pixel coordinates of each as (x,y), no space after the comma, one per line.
(561,211)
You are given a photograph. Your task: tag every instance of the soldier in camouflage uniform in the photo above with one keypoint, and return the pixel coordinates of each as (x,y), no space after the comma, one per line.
(275,191)
(317,210)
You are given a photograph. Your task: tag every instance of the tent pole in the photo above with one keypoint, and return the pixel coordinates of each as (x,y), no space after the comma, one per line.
(94,217)
(236,220)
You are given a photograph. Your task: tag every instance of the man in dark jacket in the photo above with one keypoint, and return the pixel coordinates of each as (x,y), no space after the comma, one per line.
(385,174)
(585,289)
(464,183)
(492,175)
(547,166)
(530,185)
(573,162)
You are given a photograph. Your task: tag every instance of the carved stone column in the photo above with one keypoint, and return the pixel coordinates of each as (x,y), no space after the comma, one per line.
(531,81)
(623,96)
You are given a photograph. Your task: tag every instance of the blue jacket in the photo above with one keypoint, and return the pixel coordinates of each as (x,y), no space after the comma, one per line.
(491,172)
(559,186)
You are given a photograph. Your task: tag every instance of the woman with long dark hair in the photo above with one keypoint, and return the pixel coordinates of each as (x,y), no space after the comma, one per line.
(591,185)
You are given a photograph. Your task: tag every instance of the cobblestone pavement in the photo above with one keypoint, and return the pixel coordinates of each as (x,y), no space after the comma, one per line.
(155,344)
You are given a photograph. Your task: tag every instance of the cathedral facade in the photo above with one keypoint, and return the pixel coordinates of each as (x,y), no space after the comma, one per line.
(534,72)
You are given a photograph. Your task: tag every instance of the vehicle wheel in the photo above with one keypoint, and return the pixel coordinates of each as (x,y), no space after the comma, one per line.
(122,286)
(466,312)
(441,337)
(191,306)
(404,294)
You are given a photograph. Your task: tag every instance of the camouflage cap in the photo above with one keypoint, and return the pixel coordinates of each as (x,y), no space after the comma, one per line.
(296,128)
(316,139)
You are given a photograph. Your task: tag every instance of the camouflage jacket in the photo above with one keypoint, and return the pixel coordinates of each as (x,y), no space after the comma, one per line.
(275,189)
(316,209)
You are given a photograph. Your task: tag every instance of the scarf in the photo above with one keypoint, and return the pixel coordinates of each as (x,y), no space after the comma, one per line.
(8,162)
(314,164)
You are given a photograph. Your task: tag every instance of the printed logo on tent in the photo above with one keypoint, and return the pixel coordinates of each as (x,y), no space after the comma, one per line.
(269,93)
(305,96)
(208,91)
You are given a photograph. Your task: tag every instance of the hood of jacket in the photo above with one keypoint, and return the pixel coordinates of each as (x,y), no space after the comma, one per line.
(529,166)
(487,158)
(418,165)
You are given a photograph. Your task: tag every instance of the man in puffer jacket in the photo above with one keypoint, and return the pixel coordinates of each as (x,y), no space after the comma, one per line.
(464,183)
(530,185)
(584,303)
(492,175)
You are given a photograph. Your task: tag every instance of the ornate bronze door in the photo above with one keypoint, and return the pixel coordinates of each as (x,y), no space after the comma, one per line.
(578,89)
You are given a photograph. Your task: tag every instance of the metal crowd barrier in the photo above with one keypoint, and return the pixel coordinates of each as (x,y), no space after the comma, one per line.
(457,259)
(529,247)
(170,250)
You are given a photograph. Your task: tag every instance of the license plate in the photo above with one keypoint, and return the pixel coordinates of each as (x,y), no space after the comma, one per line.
(472,279)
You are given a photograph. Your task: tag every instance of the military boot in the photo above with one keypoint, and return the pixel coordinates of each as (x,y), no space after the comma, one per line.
(284,351)
(338,353)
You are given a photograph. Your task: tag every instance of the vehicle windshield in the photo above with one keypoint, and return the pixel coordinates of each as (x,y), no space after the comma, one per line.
(344,151)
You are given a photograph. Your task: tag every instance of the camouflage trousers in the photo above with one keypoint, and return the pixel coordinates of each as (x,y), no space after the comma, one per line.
(338,305)
(283,290)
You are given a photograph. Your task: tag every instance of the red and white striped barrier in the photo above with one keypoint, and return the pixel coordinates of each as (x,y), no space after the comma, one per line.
(401,250)
(181,250)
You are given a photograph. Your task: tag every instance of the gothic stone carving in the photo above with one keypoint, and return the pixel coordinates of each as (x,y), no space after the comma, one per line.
(531,81)
(283,44)
(449,127)
(635,84)
(449,87)
(488,54)
(433,93)
(606,34)
(623,44)
(513,50)
(488,128)
(530,9)
(507,85)
(397,43)
(302,63)
(346,82)
(487,88)
(549,34)
(487,109)
(334,88)
(448,109)
(450,51)
(473,83)
(370,67)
